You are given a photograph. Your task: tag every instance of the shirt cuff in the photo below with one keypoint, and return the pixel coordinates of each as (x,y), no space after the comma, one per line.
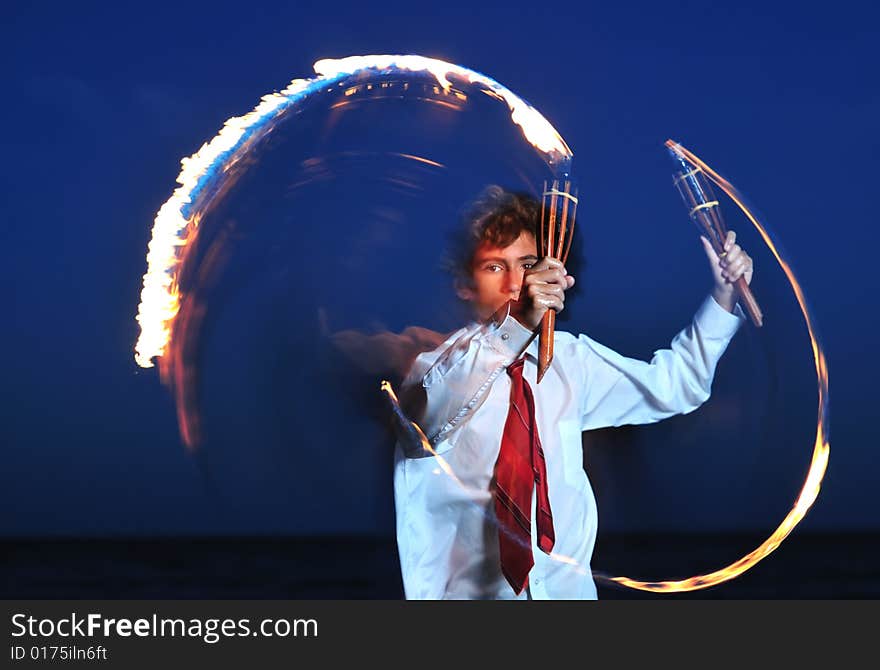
(715,321)
(507,335)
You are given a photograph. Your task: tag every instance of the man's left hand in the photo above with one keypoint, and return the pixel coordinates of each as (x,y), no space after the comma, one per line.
(733,264)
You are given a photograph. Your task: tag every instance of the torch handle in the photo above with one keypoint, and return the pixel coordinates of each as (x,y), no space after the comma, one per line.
(555,233)
(545,342)
(749,302)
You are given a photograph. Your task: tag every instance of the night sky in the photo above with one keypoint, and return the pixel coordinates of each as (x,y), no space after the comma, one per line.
(102,101)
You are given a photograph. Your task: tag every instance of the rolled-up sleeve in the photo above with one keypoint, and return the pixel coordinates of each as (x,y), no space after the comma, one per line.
(620,390)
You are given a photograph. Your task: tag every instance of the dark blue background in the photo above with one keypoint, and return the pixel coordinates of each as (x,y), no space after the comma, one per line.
(101,101)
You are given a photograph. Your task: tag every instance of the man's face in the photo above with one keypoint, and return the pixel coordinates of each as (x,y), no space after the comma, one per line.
(497,274)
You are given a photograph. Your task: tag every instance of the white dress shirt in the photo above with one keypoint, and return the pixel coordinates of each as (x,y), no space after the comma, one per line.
(447,534)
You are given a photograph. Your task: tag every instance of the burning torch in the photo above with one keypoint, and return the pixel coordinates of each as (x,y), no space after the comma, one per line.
(555,232)
(702,205)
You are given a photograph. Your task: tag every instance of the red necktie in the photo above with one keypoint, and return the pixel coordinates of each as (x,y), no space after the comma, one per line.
(520,467)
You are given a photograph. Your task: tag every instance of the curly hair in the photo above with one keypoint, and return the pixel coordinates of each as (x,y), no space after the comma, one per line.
(496,216)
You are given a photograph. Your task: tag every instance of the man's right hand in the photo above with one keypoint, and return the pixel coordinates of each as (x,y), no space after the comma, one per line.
(544,287)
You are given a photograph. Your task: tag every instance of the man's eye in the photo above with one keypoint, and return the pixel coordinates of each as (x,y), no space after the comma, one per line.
(493,268)
(528,266)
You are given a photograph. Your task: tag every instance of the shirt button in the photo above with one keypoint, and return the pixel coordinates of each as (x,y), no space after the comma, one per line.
(505,336)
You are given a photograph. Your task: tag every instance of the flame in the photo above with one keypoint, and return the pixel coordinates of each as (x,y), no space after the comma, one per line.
(176,225)
(173,228)
(536,129)
(821,447)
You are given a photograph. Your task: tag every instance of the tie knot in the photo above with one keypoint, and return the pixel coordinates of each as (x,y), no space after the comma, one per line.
(515,369)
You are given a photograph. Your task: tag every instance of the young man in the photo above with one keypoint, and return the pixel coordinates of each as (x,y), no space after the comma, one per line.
(502,508)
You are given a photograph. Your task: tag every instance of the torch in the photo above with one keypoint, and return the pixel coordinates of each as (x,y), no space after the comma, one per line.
(558,207)
(705,212)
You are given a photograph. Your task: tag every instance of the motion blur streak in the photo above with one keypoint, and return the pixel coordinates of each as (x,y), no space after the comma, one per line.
(821,447)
